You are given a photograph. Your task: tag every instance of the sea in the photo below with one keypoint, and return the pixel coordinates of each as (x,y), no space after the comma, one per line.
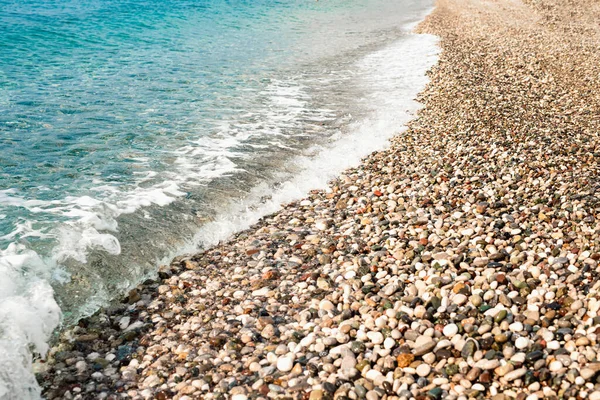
(132,131)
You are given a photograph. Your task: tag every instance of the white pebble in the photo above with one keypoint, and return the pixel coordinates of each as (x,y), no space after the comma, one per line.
(375,337)
(516,327)
(459,299)
(423,370)
(389,343)
(555,366)
(450,330)
(285,363)
(553,345)
(522,343)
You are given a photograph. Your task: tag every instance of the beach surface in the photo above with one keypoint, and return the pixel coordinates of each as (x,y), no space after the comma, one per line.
(462,262)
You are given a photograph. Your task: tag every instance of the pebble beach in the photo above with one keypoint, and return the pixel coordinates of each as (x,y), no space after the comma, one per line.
(460,263)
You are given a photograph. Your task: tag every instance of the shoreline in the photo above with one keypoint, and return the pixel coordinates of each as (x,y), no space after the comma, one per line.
(459,262)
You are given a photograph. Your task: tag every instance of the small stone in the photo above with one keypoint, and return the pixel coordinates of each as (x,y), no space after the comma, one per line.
(404,360)
(511,376)
(467,232)
(473,374)
(468,349)
(81,366)
(476,300)
(522,343)
(427,345)
(372,395)
(501,338)
(389,343)
(450,330)
(459,299)
(362,365)
(323,284)
(375,337)
(316,395)
(268,332)
(555,366)
(516,327)
(361,391)
(435,393)
(326,305)
(485,364)
(534,356)
(504,369)
(587,373)
(124,322)
(348,362)
(429,358)
(285,363)
(500,316)
(423,370)
(373,375)
(322,224)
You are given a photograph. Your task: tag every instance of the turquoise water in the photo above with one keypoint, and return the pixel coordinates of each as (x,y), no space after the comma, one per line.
(133,130)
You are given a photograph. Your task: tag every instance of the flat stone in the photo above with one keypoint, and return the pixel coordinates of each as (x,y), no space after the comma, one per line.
(517,373)
(487,364)
(424,348)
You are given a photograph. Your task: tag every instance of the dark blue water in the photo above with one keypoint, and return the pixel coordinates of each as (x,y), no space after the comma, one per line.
(131,130)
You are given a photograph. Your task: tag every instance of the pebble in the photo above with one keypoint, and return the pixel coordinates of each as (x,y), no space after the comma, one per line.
(424,347)
(487,364)
(374,375)
(459,299)
(450,330)
(555,366)
(522,343)
(516,327)
(517,373)
(326,305)
(285,363)
(375,337)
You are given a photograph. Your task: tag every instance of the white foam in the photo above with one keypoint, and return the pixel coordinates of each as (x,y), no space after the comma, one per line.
(28,315)
(393,77)
(28,310)
(24,230)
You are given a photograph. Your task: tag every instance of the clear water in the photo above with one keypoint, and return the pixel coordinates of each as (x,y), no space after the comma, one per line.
(133,130)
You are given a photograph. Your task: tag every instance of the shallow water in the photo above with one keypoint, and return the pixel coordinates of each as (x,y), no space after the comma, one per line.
(133,130)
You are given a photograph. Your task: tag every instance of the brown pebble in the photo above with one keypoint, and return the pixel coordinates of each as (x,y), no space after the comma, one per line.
(473,374)
(485,377)
(404,360)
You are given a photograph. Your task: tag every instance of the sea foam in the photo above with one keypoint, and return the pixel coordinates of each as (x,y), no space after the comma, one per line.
(392,77)
(28,315)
